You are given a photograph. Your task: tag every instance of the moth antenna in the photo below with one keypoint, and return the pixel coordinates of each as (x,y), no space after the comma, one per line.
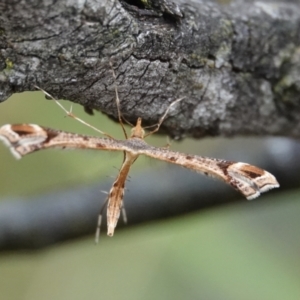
(162,118)
(71,115)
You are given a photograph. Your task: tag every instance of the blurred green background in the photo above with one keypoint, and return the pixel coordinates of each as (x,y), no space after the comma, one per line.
(237,251)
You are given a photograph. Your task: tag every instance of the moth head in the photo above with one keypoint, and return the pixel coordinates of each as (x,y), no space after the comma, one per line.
(138,131)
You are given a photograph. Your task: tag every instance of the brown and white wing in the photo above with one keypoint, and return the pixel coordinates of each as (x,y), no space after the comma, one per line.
(23,139)
(251,181)
(116,194)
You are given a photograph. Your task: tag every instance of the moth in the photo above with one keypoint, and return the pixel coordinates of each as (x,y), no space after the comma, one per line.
(23,139)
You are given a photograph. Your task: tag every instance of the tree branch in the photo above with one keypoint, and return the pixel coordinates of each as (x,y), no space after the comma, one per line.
(236,64)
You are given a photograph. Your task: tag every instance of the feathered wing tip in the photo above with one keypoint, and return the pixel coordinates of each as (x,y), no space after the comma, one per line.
(251,181)
(22,139)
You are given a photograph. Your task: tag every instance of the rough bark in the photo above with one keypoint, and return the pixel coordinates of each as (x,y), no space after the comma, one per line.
(237,64)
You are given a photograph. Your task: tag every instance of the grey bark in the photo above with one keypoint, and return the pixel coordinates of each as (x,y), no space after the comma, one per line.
(237,64)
